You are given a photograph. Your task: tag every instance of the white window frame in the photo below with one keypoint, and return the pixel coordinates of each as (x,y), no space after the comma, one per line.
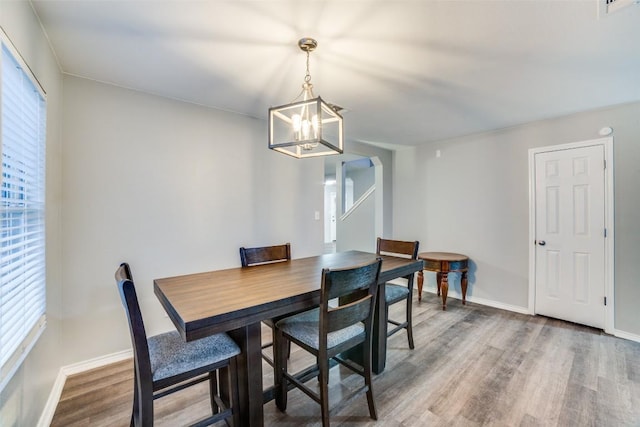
(22,280)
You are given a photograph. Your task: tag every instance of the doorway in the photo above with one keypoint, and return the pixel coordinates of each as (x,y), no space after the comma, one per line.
(353,202)
(571,232)
(330,214)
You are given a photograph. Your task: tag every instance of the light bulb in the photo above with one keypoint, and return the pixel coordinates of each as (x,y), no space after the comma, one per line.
(315,124)
(306,126)
(296,122)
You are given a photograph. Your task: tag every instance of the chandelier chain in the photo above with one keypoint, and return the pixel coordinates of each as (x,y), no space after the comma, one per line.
(307,76)
(307,80)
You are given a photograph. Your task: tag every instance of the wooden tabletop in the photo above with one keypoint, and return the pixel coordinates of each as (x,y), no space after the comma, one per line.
(442,256)
(202,304)
(235,300)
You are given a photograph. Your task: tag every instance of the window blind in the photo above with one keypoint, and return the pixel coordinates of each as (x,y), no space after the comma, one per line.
(22,208)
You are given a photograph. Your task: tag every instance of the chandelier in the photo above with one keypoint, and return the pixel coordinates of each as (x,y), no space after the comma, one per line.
(309,127)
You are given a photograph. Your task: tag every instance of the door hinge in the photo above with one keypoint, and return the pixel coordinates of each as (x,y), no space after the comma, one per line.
(605,300)
(605,232)
(605,163)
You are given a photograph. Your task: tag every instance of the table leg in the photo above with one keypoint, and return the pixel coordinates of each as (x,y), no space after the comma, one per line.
(444,287)
(463,285)
(249,374)
(438,281)
(379,338)
(420,283)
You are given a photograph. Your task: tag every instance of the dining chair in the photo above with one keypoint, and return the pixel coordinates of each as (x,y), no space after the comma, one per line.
(165,363)
(329,330)
(395,293)
(250,257)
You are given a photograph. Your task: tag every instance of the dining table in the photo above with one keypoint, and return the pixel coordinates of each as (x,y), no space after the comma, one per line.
(236,300)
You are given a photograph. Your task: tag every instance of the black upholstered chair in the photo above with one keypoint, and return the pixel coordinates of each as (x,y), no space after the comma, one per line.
(328,331)
(165,363)
(395,293)
(265,255)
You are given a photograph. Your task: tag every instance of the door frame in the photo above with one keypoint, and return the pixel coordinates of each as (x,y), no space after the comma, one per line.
(609,285)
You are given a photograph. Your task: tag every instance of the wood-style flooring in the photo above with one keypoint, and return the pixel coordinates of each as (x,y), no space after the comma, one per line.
(472,366)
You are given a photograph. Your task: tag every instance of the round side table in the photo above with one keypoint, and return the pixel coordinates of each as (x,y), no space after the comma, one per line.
(443,263)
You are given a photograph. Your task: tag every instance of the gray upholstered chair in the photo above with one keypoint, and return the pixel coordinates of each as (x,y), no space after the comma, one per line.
(165,363)
(395,293)
(328,331)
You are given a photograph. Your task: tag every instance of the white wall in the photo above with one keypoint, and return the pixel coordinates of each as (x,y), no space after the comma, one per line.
(474,200)
(358,231)
(171,188)
(22,401)
(385,157)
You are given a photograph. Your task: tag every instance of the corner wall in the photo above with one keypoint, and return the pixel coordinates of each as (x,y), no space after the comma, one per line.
(385,158)
(24,398)
(473,199)
(172,188)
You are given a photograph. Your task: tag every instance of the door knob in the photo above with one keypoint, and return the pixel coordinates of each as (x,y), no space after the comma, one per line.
(542,242)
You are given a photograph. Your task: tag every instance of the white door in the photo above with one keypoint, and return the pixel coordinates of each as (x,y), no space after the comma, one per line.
(334,211)
(570,235)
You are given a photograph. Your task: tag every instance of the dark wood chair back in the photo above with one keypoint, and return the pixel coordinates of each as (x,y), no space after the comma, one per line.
(265,254)
(393,293)
(356,289)
(397,248)
(142,363)
(165,363)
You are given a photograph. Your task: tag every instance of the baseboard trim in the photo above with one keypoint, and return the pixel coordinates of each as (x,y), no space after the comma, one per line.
(626,335)
(482,301)
(98,362)
(52,402)
(56,391)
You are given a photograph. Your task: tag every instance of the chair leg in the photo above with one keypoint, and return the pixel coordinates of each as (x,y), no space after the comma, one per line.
(323,364)
(279,368)
(409,321)
(132,423)
(134,409)
(273,340)
(273,350)
(367,380)
(213,390)
(144,415)
(232,386)
(386,316)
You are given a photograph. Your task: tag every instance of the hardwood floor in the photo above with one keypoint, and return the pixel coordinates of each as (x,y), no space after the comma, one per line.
(472,366)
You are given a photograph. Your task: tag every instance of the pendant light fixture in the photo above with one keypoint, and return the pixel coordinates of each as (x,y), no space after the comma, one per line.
(309,127)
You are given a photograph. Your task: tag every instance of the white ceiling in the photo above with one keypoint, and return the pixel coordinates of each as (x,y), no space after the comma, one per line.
(407,72)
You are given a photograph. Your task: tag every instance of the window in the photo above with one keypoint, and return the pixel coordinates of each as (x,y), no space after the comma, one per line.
(22,203)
